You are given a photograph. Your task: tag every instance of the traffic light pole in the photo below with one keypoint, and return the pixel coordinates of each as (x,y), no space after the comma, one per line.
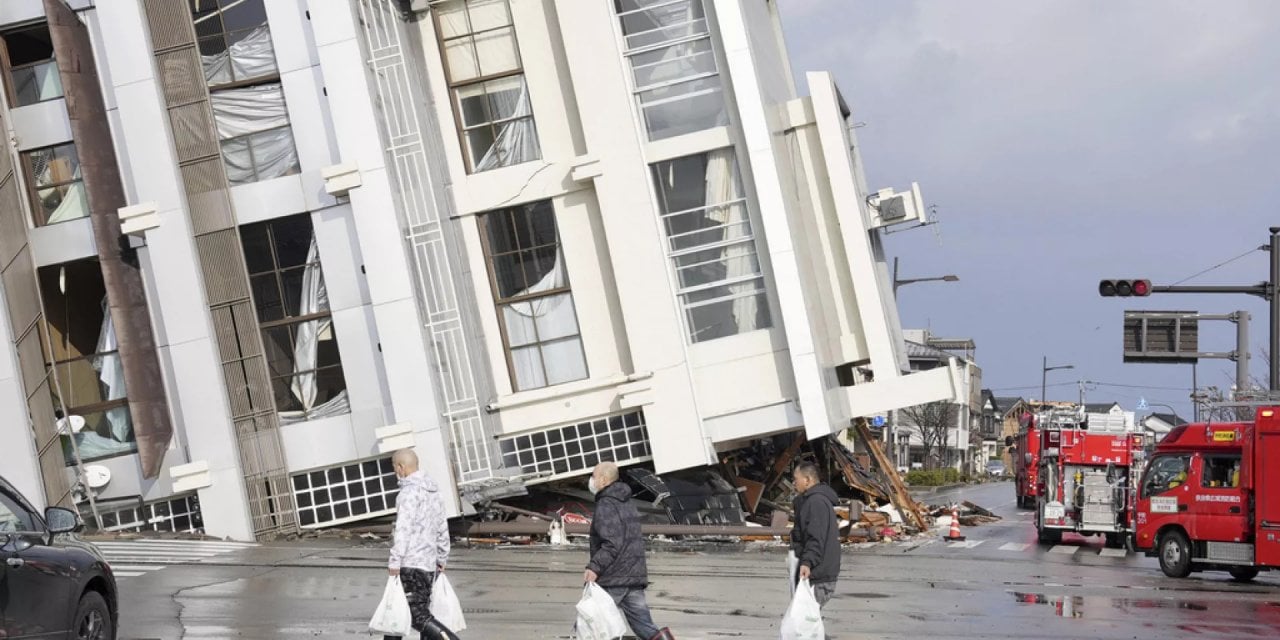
(1269,291)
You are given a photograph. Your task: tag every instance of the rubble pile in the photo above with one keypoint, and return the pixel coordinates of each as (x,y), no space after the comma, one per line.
(745,498)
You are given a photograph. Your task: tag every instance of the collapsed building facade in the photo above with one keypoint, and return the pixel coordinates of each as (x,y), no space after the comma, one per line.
(249,248)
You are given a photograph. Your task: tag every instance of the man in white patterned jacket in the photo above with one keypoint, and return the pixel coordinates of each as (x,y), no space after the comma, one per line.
(421,545)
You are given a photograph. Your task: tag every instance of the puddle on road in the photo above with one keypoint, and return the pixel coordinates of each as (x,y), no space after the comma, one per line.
(1077,606)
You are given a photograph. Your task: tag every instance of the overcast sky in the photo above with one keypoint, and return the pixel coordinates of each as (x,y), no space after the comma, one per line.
(1064,142)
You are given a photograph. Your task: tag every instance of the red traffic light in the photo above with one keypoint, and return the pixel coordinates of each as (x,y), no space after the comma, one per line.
(1124,288)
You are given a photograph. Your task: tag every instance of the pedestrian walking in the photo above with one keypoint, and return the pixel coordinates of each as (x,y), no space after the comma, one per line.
(420,548)
(617,561)
(815,537)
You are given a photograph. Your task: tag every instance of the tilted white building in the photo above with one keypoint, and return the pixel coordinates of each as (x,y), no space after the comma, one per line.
(519,235)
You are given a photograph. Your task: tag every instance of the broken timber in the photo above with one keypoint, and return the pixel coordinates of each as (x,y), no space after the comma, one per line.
(908,507)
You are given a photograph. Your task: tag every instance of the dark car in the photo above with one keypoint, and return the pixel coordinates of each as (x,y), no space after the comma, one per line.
(52,585)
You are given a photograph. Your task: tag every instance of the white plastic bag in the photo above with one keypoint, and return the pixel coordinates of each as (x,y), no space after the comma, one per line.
(445,606)
(804,617)
(598,616)
(392,617)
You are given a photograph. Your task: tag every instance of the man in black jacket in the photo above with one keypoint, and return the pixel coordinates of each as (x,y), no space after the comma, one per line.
(815,538)
(617,551)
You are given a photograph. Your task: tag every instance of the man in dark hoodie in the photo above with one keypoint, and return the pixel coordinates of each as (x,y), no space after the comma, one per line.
(815,538)
(617,552)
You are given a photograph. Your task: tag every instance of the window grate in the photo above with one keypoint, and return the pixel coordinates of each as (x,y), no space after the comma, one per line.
(575,449)
(346,493)
(179,514)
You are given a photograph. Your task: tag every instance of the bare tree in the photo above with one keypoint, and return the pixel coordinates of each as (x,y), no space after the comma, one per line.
(933,421)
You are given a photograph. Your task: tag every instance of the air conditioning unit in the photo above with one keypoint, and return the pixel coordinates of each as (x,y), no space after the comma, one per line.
(889,208)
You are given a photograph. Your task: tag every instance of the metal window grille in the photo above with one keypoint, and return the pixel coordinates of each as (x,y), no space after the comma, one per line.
(420,197)
(346,493)
(179,514)
(575,449)
(674,74)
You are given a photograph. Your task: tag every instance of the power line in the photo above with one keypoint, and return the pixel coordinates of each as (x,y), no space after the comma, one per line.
(1216,266)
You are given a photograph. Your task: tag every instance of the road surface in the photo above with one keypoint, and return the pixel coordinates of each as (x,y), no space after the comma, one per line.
(997,584)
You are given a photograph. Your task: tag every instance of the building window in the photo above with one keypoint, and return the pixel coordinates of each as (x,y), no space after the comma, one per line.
(55,184)
(711,245)
(486,82)
(293,313)
(531,290)
(577,448)
(33,73)
(90,397)
(673,66)
(179,514)
(343,494)
(244,89)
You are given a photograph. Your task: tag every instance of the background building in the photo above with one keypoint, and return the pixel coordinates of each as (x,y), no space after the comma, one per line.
(519,238)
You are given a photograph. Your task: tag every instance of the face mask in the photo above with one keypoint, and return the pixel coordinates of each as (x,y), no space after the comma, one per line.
(591,486)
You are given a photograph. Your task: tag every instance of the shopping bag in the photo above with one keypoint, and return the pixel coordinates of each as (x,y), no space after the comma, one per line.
(445,606)
(598,616)
(803,620)
(392,617)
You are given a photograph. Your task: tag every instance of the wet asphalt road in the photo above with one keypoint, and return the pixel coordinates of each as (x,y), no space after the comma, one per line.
(998,584)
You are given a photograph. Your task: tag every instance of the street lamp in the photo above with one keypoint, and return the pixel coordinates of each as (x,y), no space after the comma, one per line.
(897,283)
(1044,375)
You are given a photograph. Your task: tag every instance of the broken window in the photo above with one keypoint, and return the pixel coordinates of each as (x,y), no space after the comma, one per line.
(531,290)
(673,66)
(244,89)
(33,73)
(486,80)
(293,314)
(55,184)
(84,356)
(711,245)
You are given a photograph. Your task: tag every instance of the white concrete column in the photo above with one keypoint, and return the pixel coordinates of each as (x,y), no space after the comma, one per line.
(183,332)
(650,312)
(406,355)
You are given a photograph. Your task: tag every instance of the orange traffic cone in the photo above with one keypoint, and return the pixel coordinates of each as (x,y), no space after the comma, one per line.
(954,535)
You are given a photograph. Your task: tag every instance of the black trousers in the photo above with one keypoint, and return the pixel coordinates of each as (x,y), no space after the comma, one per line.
(417,590)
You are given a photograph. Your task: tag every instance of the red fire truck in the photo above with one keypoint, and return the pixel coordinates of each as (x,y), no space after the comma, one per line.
(1208,501)
(1085,472)
(1026,459)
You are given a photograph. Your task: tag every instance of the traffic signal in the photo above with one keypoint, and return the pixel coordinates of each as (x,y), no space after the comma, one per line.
(1124,288)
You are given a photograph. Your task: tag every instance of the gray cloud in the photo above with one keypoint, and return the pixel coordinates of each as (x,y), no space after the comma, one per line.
(1063,142)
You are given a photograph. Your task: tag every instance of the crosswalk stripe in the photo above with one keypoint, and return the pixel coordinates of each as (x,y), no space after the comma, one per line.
(1064,549)
(1114,553)
(1014,546)
(133,558)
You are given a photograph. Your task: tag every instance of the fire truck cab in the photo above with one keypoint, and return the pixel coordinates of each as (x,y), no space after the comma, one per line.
(1208,503)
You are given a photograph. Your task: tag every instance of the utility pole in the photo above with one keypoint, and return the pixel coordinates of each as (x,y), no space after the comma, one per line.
(1242,351)
(1274,343)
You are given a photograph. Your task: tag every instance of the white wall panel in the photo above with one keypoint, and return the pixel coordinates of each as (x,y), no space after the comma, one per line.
(268,199)
(42,124)
(62,242)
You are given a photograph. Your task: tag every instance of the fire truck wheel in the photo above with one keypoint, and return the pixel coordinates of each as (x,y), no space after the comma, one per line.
(1050,536)
(1175,554)
(1115,540)
(1244,574)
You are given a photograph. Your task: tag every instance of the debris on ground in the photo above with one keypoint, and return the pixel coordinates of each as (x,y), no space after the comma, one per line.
(745,498)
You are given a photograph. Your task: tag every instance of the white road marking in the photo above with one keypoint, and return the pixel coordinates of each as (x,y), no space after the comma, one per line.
(133,558)
(1064,549)
(1014,546)
(967,544)
(1114,553)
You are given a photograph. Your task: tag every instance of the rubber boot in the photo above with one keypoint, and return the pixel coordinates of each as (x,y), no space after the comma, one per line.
(433,630)
(663,634)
